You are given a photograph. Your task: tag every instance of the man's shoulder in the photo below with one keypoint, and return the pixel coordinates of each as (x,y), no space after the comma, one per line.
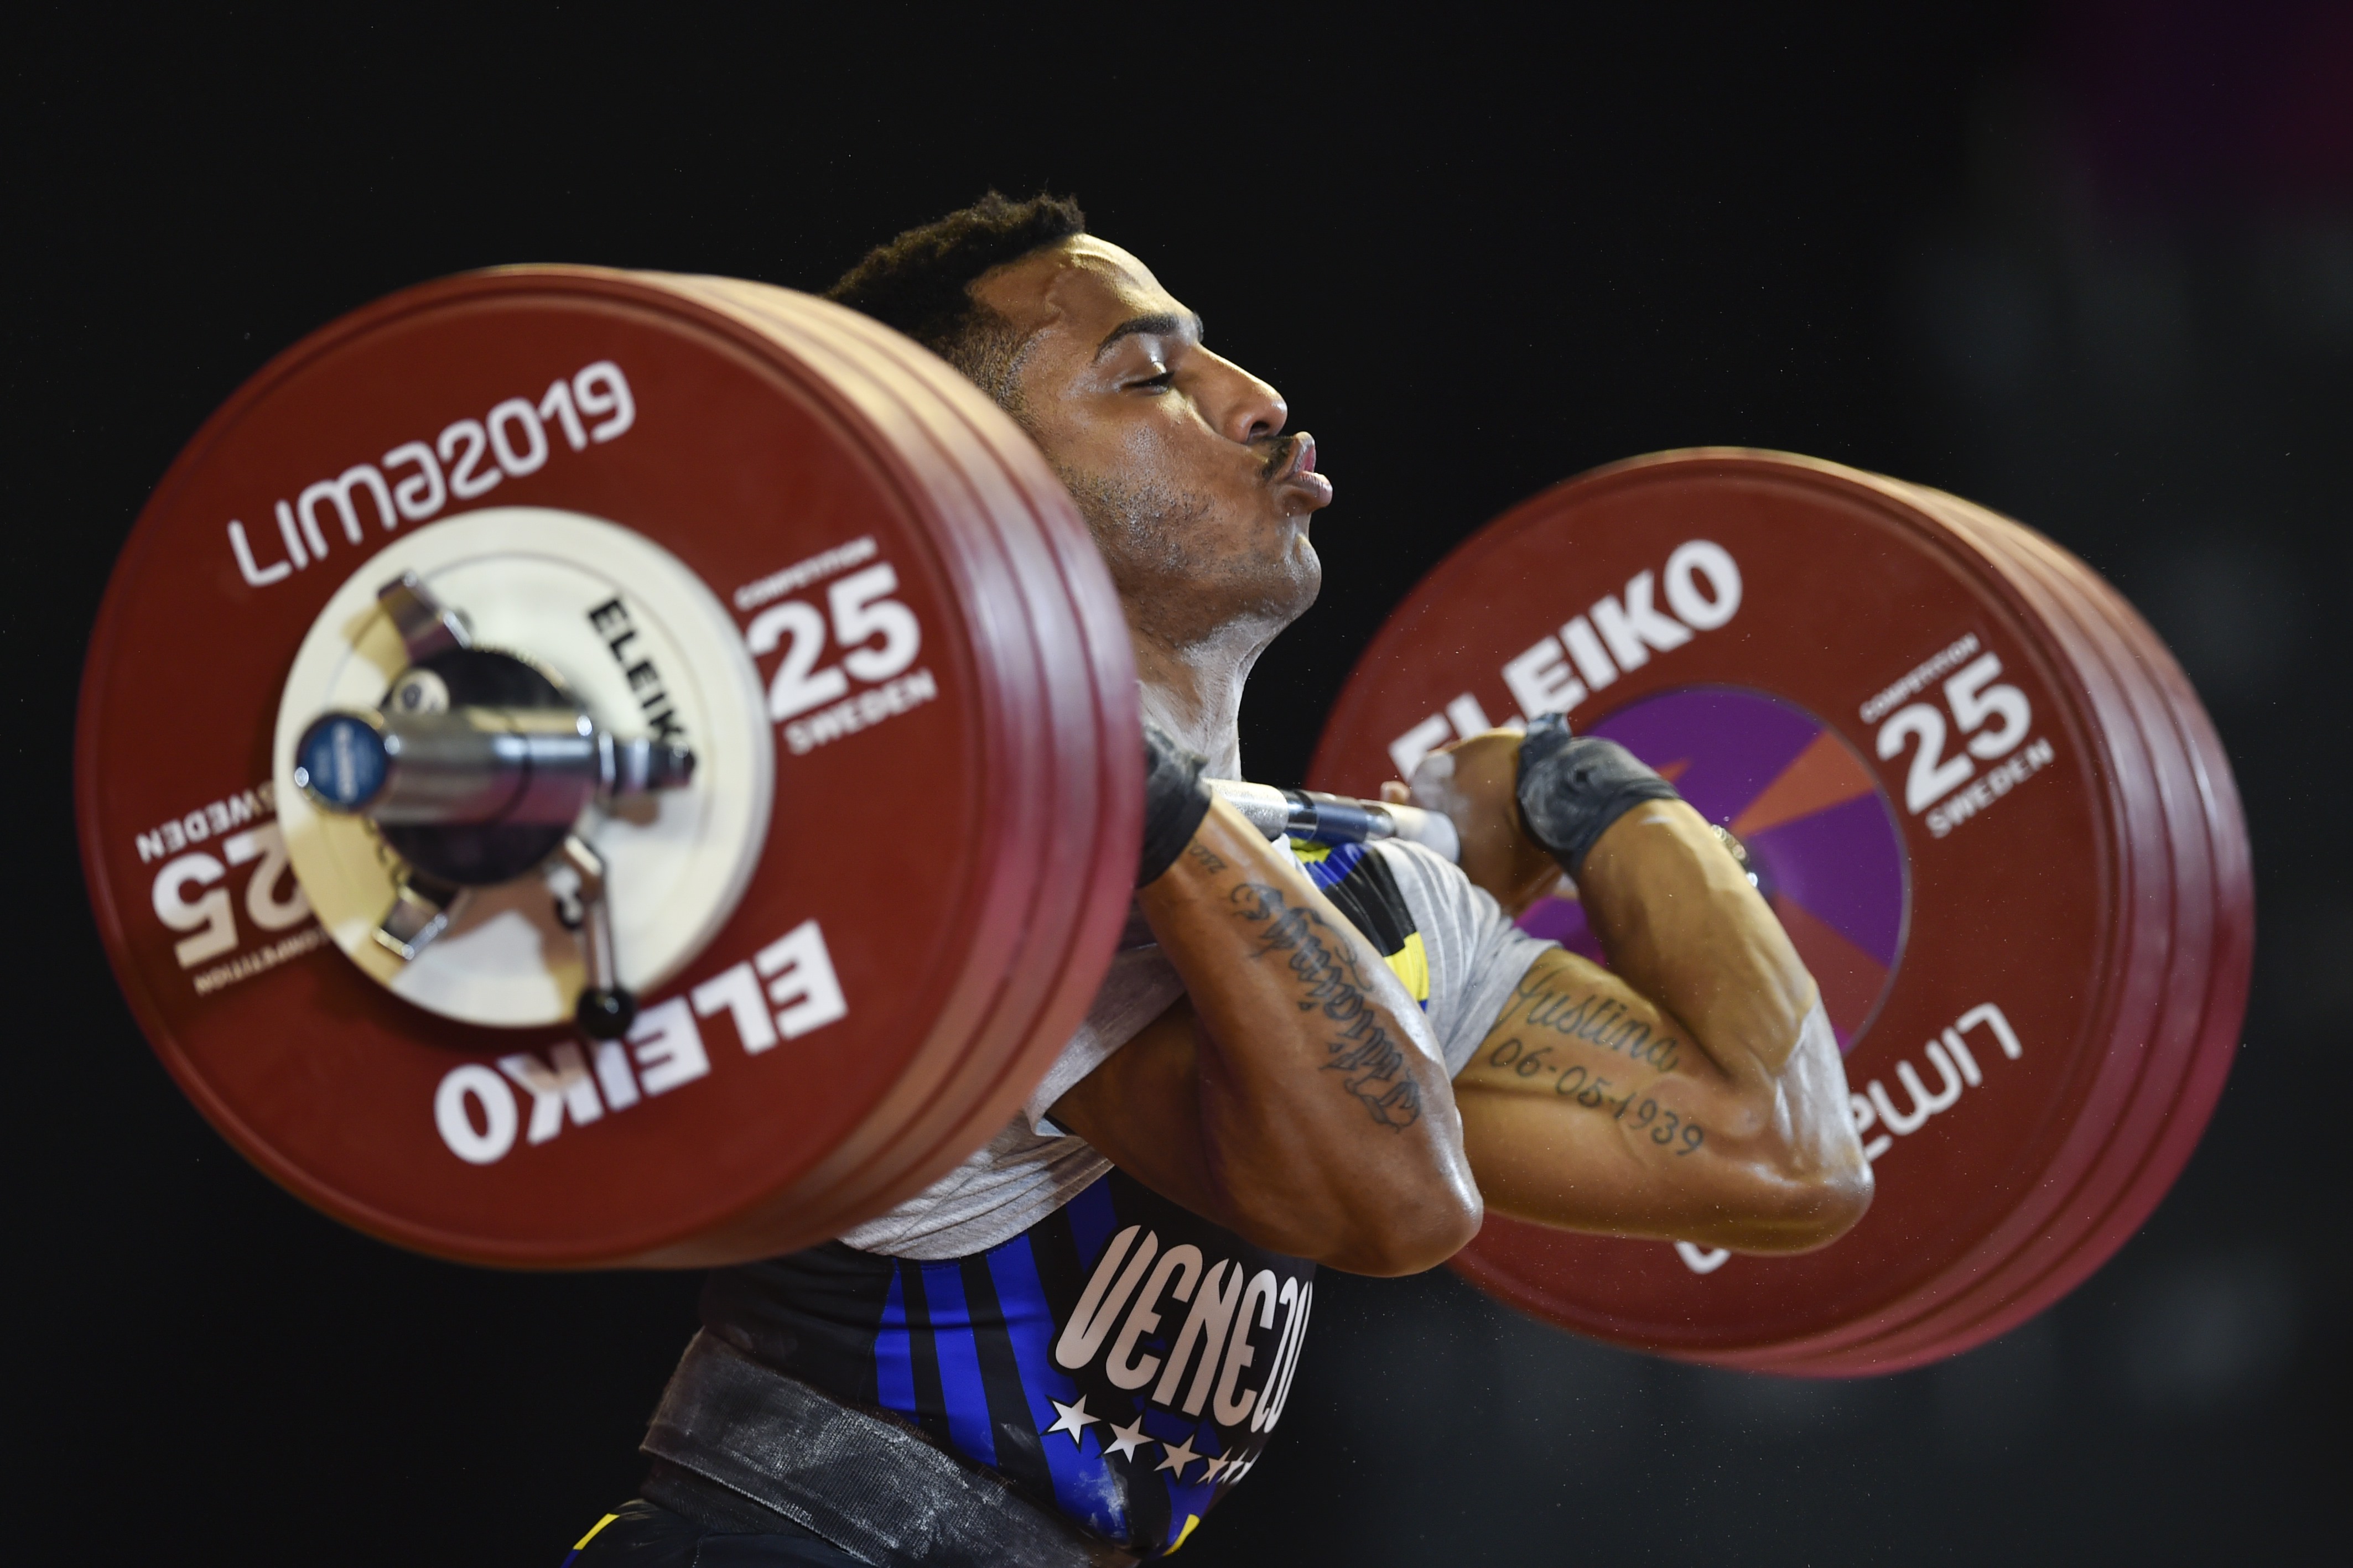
(1361,884)
(1474,952)
(1435,888)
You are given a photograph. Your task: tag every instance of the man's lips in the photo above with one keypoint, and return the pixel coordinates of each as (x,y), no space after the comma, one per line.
(1293,465)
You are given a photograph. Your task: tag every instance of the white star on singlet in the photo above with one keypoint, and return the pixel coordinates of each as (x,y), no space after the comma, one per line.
(1126,1440)
(1176,1456)
(1217,1467)
(1074,1418)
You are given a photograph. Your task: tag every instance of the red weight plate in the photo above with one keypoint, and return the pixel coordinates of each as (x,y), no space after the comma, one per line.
(1743,611)
(740,462)
(2230,855)
(2146,1159)
(2161,898)
(2211,943)
(1060,980)
(923,1132)
(2168,920)
(1096,870)
(1090,692)
(2226,840)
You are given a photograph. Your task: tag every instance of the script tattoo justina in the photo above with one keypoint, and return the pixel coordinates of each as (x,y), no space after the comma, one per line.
(1319,958)
(1598,1021)
(1595,1019)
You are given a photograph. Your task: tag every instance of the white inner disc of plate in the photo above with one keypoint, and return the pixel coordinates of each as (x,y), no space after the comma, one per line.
(635,633)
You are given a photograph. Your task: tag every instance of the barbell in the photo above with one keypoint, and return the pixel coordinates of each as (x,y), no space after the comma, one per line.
(701,728)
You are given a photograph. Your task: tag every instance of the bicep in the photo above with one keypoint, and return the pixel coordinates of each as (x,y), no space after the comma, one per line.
(1587,1106)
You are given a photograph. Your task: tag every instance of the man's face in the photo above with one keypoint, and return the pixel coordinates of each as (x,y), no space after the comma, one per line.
(1177,457)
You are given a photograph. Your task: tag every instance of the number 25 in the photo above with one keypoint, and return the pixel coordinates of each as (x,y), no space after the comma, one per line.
(862,611)
(1932,774)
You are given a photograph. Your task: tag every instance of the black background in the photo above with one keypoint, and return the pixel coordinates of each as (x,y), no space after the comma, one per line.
(2092,265)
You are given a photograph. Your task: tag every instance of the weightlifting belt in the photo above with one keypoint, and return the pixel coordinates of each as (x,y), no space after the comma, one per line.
(872,1486)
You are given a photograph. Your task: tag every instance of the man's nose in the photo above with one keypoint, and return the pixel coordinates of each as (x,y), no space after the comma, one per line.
(1240,406)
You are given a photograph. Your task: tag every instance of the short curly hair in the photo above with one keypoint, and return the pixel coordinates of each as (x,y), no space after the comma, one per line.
(920,282)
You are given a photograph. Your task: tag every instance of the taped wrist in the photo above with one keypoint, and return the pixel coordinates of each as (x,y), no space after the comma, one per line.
(1175,801)
(1572,787)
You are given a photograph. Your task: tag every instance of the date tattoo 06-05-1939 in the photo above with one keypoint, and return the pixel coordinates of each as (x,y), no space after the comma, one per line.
(1319,959)
(1600,1021)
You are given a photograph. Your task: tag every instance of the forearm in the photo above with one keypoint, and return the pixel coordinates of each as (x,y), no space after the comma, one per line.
(1681,923)
(1588,1106)
(1323,1113)
(1735,1192)
(1679,920)
(1680,1092)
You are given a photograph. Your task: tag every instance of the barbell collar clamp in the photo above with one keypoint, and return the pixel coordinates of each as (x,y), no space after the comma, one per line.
(421,910)
(426,626)
(605,1007)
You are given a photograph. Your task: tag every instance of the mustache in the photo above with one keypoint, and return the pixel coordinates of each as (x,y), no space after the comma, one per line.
(1281,451)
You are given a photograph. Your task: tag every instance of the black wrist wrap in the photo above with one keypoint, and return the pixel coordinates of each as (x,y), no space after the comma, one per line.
(1175,801)
(1572,787)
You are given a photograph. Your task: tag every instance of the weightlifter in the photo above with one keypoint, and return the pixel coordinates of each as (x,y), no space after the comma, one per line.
(1068,1348)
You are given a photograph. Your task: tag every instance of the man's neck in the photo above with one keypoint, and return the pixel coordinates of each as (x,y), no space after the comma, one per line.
(1195,692)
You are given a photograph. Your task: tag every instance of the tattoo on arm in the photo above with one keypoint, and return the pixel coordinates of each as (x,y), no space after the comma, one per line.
(1667,1129)
(1331,983)
(1539,1003)
(1205,858)
(1549,1012)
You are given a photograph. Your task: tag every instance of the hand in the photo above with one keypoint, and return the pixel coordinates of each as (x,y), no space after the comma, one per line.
(1474,781)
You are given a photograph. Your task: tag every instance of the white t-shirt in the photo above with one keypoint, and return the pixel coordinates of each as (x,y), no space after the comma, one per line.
(1476,957)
